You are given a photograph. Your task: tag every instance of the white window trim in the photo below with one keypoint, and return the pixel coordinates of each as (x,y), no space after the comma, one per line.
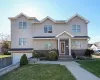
(76,29)
(22,24)
(23,41)
(47,26)
(75,45)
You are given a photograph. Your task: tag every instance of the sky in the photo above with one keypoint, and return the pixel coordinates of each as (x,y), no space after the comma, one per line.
(56,9)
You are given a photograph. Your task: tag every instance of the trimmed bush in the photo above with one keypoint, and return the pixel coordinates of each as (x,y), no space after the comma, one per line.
(36,54)
(52,56)
(55,50)
(73,55)
(23,60)
(88,53)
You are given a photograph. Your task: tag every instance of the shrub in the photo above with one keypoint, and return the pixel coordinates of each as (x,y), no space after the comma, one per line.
(88,52)
(7,53)
(81,57)
(73,55)
(55,50)
(23,60)
(52,55)
(36,54)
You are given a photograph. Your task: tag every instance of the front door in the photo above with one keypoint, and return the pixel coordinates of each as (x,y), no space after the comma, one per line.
(62,47)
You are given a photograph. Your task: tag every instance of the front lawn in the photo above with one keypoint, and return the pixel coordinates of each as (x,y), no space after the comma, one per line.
(39,72)
(3,56)
(92,66)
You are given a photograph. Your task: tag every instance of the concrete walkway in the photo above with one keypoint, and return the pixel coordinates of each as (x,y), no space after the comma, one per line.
(78,72)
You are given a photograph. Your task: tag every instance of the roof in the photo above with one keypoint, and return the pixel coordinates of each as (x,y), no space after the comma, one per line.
(22,14)
(89,45)
(20,49)
(97,44)
(81,37)
(77,15)
(59,35)
(55,21)
(43,37)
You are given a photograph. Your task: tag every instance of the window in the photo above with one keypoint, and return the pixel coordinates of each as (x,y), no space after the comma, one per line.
(76,44)
(22,25)
(45,29)
(48,29)
(22,41)
(47,46)
(76,28)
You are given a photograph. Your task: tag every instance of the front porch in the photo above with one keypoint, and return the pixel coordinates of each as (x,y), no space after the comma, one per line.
(64,43)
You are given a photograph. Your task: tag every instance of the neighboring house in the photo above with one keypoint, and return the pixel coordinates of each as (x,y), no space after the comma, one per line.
(29,33)
(94,46)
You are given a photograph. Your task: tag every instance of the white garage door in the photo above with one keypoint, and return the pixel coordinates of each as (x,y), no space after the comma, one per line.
(17,56)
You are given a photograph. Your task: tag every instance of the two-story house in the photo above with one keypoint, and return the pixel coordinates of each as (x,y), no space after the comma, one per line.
(29,33)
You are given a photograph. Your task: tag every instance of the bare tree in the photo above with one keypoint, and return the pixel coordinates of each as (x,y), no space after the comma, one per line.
(5,40)
(4,37)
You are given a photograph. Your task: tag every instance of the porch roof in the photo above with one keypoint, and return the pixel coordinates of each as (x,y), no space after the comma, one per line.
(65,33)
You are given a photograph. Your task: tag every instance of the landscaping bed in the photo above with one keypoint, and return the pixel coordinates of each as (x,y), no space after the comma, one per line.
(39,72)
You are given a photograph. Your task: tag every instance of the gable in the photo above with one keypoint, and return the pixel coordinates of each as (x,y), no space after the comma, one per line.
(21,14)
(64,35)
(77,16)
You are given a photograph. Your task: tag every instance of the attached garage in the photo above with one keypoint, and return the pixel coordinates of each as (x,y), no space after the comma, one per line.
(16,56)
(17,53)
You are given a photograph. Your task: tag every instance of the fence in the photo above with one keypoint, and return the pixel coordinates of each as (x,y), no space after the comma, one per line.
(8,69)
(6,61)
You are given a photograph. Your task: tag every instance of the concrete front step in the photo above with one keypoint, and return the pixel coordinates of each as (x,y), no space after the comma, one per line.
(65,58)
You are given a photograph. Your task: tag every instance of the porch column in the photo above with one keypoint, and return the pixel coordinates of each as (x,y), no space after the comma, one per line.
(70,47)
(58,44)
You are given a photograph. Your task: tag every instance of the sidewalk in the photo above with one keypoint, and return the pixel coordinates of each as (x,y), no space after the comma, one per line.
(78,72)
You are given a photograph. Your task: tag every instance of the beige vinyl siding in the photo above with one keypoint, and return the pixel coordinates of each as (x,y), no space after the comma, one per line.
(58,28)
(38,44)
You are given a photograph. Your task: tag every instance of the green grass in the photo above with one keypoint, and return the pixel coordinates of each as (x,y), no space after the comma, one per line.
(39,72)
(3,56)
(92,66)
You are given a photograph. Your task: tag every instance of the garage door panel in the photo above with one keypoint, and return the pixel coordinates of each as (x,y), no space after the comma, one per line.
(17,56)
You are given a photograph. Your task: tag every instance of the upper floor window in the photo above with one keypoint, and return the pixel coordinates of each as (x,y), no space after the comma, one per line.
(22,41)
(22,25)
(48,29)
(76,28)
